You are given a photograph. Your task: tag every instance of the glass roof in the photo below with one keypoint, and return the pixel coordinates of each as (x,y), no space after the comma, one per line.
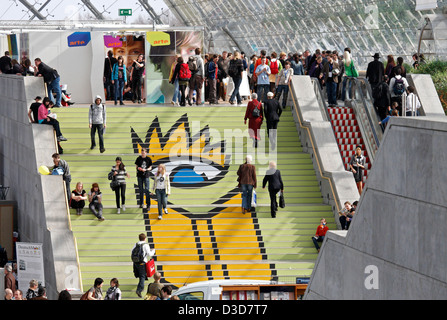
(366,26)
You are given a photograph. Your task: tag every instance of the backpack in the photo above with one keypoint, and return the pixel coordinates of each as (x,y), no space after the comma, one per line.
(256,112)
(138,253)
(185,73)
(233,69)
(377,92)
(3,257)
(274,67)
(207,72)
(399,87)
(192,63)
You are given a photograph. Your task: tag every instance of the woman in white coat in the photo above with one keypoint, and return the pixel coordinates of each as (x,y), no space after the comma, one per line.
(162,189)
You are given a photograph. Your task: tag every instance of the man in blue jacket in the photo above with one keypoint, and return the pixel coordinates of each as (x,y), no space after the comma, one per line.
(212,80)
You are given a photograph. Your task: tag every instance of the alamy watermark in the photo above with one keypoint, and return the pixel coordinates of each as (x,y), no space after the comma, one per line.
(372,278)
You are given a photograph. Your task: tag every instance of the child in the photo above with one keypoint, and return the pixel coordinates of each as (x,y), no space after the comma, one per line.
(320,234)
(94,197)
(393,107)
(394,113)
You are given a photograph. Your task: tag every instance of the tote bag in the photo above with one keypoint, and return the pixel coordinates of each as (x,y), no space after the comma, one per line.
(150,268)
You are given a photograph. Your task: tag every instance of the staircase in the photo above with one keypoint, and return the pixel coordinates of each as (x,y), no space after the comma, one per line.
(205,236)
(348,135)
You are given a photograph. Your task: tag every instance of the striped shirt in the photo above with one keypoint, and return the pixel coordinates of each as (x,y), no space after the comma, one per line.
(121,175)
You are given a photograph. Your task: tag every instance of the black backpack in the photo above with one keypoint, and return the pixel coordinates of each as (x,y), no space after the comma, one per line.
(3,257)
(138,253)
(399,87)
(192,64)
(256,111)
(233,69)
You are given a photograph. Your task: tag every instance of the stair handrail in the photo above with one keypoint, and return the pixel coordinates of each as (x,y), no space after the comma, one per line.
(320,97)
(369,124)
(368,100)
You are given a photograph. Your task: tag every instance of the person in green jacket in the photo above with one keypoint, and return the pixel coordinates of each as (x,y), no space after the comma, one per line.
(350,71)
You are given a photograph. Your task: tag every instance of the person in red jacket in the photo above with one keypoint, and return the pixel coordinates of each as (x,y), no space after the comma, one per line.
(320,233)
(255,118)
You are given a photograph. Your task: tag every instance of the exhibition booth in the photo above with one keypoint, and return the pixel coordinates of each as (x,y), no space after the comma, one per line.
(79,55)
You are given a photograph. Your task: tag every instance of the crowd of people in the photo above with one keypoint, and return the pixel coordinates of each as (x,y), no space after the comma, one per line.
(390,88)
(268,78)
(35,290)
(118,174)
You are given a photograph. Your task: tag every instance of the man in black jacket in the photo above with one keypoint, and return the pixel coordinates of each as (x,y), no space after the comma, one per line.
(273,178)
(223,64)
(382,98)
(5,63)
(272,112)
(51,78)
(374,72)
(109,62)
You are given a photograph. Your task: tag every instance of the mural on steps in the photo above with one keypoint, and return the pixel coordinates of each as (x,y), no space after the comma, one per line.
(195,164)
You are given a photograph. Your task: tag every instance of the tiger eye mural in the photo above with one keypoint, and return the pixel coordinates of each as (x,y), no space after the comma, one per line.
(196,163)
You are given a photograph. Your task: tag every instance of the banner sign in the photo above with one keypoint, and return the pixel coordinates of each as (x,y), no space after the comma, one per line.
(158,38)
(79,39)
(29,264)
(112,42)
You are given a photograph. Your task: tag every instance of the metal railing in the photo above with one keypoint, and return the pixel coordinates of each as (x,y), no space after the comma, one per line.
(319,93)
(366,114)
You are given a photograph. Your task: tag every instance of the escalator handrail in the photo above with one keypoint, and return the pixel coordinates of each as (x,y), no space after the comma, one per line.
(317,85)
(356,83)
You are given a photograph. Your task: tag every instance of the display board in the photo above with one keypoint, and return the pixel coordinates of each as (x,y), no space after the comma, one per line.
(162,48)
(29,264)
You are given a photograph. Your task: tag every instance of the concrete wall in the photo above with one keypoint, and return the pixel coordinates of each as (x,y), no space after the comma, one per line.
(317,137)
(427,94)
(42,214)
(397,238)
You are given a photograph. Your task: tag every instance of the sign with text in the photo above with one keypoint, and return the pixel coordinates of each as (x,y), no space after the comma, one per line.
(29,264)
(125,12)
(112,42)
(79,39)
(158,38)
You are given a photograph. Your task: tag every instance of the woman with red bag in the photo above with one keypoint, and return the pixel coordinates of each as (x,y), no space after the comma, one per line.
(255,116)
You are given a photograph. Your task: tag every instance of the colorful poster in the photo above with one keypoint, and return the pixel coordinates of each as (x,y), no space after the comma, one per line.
(129,47)
(162,50)
(29,264)
(12,46)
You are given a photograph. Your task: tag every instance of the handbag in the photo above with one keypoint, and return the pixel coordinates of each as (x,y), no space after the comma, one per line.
(114,183)
(282,203)
(150,268)
(254,199)
(85,295)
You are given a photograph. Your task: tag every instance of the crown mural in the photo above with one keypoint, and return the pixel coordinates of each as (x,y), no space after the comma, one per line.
(190,160)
